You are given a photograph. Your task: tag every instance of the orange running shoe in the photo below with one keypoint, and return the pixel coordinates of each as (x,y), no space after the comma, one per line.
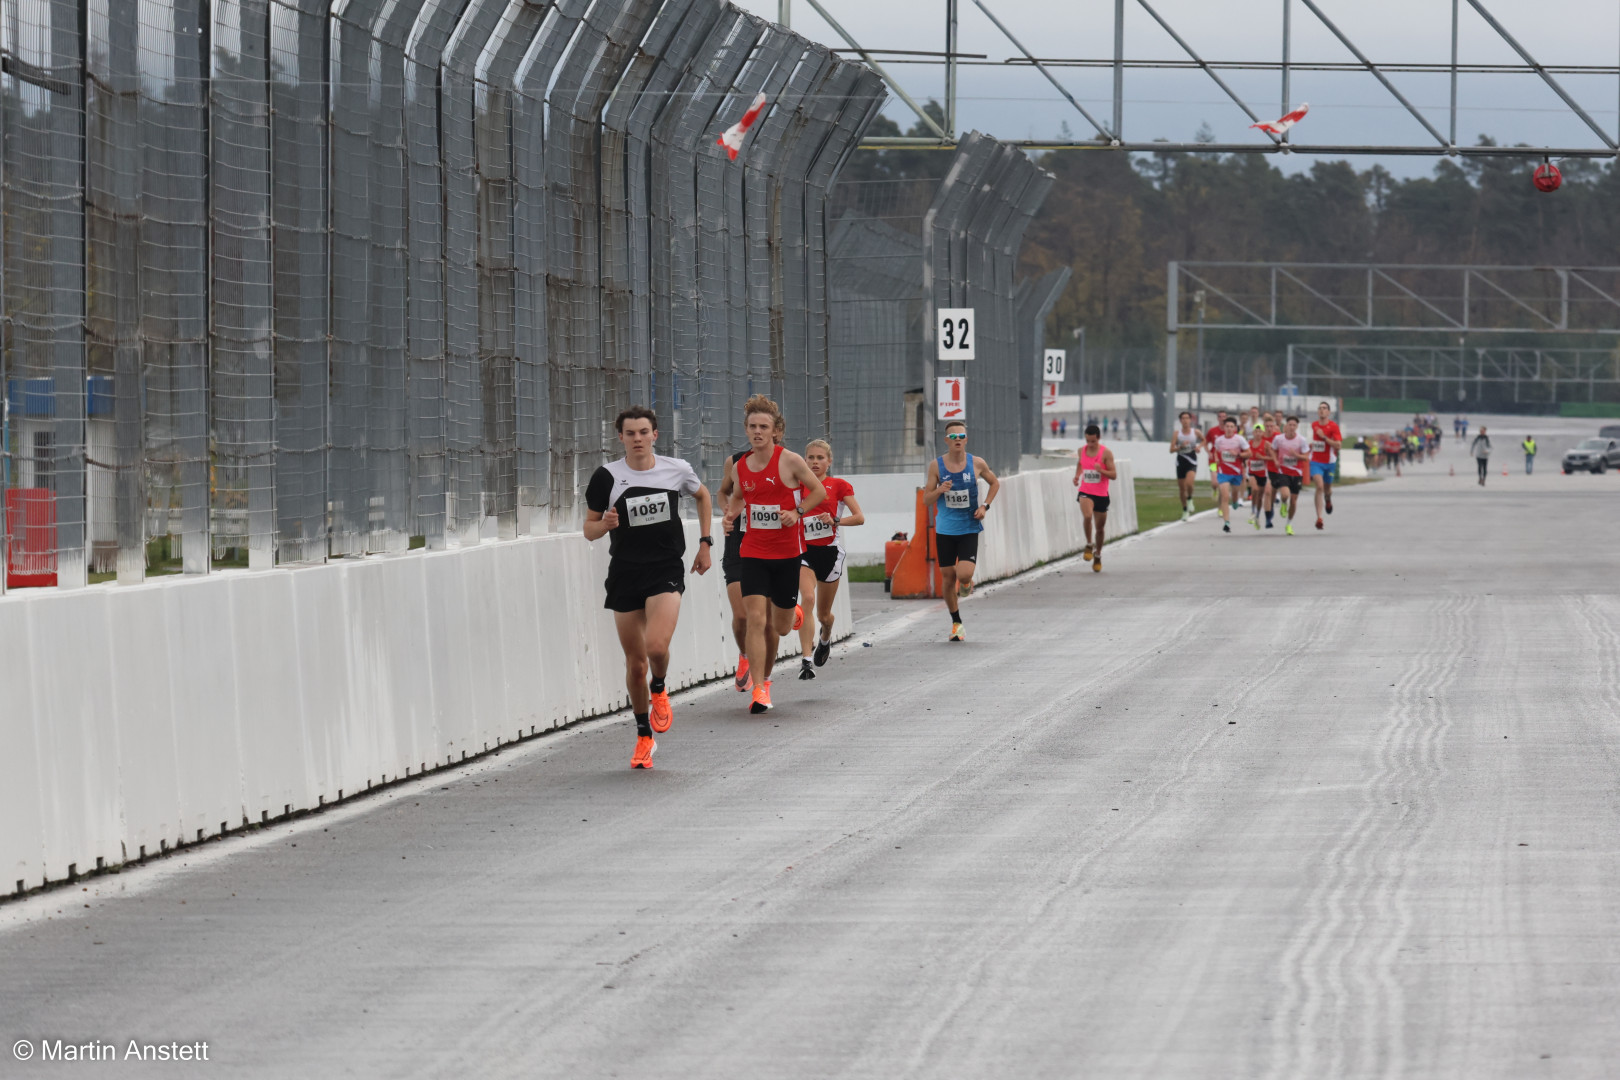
(798,616)
(642,759)
(762,698)
(1318,523)
(744,683)
(662,715)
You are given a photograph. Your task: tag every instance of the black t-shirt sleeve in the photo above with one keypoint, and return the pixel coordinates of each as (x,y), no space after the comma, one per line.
(598,490)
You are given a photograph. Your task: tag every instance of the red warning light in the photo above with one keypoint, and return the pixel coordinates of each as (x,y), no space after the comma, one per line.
(1547,177)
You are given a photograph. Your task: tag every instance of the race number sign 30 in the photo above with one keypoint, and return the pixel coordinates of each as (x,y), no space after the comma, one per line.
(954,326)
(1053,362)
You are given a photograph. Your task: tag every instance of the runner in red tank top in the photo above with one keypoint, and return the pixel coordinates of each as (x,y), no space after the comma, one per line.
(774,487)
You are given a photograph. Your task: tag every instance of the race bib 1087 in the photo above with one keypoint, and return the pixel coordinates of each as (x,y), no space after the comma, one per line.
(648,509)
(761,516)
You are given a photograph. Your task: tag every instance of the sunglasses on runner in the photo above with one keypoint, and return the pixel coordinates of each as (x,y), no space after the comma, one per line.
(963,435)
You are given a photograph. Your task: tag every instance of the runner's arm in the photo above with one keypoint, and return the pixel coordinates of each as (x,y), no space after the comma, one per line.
(600,522)
(933,489)
(995,486)
(1108,468)
(854,517)
(705,516)
(815,493)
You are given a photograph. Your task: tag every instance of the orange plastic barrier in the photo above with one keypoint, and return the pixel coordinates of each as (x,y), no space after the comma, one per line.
(916,576)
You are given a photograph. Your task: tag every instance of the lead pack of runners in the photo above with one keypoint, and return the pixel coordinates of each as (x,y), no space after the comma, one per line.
(783,515)
(1262,459)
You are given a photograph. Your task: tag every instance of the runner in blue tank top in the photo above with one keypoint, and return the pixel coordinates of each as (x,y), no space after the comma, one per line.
(953,482)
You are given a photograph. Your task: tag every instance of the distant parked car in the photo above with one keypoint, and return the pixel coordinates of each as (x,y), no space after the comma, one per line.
(1596,455)
(1609,431)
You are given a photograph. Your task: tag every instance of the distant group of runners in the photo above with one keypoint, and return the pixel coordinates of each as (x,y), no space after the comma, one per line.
(1260,457)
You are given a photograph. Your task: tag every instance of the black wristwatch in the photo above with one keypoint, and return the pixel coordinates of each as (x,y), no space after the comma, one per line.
(706,540)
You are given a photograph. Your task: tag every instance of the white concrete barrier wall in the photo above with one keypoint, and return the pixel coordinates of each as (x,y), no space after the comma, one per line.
(1035,518)
(144,716)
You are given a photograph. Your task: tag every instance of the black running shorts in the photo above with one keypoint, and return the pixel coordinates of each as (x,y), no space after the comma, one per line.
(1099,503)
(1185,467)
(964,548)
(826,561)
(630,584)
(777,579)
(731,557)
(1283,480)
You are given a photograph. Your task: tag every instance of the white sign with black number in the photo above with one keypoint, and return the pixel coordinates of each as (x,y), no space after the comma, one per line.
(1053,362)
(956,337)
(958,498)
(648,509)
(819,527)
(762,516)
(952,398)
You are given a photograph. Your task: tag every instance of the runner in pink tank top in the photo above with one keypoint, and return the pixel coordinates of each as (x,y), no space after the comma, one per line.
(1091,475)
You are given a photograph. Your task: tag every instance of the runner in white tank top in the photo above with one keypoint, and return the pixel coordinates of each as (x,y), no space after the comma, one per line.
(1184,444)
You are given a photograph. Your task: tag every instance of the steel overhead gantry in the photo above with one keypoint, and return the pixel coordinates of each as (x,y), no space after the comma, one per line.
(1406,298)
(1111,135)
(1337,368)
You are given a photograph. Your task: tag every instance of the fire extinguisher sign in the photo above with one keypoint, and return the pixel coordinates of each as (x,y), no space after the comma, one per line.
(952,398)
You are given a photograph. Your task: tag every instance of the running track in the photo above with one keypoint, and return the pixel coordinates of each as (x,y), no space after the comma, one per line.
(1344,805)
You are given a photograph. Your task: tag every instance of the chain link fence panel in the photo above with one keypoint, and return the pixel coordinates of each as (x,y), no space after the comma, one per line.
(288,280)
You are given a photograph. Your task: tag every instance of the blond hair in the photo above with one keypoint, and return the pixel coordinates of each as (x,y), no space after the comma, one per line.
(823,443)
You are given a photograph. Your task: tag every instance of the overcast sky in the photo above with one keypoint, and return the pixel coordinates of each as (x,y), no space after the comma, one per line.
(1345,108)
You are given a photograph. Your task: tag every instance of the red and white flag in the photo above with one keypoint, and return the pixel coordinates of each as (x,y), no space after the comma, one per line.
(732,138)
(1277,127)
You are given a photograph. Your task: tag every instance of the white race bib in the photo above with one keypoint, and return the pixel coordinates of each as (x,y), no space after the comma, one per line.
(817,528)
(1091,476)
(1229,456)
(761,516)
(957,498)
(648,509)
(1317,446)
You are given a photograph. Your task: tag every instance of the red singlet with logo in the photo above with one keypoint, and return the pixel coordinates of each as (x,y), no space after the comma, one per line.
(767,498)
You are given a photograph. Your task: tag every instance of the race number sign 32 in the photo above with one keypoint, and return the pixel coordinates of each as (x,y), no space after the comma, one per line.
(955,330)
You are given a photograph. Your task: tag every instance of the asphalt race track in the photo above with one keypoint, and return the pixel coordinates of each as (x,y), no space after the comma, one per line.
(1345,804)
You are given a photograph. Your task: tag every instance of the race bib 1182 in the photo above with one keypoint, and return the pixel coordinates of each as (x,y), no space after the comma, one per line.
(957,499)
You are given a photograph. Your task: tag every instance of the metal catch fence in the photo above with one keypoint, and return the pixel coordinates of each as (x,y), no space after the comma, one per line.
(286,280)
(899,251)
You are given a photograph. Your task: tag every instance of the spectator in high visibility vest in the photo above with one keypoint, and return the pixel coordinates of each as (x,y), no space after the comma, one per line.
(1529,446)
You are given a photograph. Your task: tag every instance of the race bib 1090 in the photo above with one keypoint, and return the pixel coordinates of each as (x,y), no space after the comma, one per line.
(648,509)
(761,516)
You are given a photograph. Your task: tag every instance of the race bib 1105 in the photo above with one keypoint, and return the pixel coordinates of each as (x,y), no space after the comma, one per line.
(817,528)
